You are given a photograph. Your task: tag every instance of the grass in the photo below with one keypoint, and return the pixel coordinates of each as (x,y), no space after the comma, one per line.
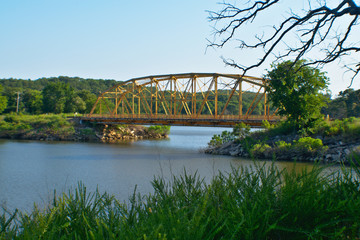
(16,122)
(259,202)
(348,127)
(45,123)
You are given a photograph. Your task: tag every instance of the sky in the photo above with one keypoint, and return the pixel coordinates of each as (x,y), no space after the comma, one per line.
(118,39)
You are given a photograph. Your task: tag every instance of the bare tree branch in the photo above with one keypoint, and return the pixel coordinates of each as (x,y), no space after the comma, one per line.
(321,34)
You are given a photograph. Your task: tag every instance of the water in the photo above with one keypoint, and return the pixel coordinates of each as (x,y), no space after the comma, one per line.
(31,170)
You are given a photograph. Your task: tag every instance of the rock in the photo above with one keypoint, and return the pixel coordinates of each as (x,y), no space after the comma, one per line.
(347,151)
(234,152)
(328,157)
(226,145)
(337,157)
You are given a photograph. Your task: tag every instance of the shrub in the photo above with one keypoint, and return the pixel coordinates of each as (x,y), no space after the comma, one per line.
(346,127)
(161,129)
(282,144)
(259,149)
(265,124)
(218,140)
(282,128)
(309,144)
(241,130)
(11,118)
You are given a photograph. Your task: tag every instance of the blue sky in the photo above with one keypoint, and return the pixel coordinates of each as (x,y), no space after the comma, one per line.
(115,39)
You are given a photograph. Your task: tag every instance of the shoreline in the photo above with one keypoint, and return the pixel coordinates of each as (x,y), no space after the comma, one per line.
(73,130)
(336,150)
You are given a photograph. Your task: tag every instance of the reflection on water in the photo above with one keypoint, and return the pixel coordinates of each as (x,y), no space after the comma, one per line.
(31,170)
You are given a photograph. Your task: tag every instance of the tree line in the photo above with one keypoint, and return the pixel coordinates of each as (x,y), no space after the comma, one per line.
(51,95)
(74,94)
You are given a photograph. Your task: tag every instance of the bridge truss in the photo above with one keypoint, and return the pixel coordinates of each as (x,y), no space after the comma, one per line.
(198,99)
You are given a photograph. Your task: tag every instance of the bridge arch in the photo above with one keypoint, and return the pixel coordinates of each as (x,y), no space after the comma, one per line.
(206,99)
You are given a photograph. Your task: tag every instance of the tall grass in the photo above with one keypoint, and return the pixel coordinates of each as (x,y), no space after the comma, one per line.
(259,202)
(46,123)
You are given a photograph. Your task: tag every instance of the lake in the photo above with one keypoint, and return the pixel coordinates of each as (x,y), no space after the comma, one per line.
(30,171)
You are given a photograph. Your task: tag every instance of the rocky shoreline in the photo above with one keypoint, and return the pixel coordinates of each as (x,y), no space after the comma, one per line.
(337,150)
(113,134)
(87,133)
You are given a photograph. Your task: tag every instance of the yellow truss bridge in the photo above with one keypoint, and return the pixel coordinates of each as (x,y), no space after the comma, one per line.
(190,99)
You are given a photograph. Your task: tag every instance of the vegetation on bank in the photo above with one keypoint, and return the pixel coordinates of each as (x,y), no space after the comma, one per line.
(297,90)
(284,138)
(55,124)
(60,127)
(260,202)
(160,129)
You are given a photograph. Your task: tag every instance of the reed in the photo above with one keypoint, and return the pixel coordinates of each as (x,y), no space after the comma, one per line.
(258,202)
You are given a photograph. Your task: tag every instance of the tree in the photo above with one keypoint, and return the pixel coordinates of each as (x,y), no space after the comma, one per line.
(33,101)
(3,101)
(336,109)
(54,98)
(352,102)
(297,93)
(89,99)
(59,97)
(322,29)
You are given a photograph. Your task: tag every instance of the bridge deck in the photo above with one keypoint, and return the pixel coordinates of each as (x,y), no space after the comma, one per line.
(181,120)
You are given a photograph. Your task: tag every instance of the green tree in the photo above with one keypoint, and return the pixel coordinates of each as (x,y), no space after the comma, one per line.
(296,90)
(352,102)
(3,101)
(54,98)
(89,99)
(33,101)
(336,109)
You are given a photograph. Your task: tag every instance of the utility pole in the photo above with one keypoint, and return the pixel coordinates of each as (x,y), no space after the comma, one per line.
(17,102)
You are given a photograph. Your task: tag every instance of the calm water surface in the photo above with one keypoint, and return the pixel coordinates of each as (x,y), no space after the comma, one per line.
(31,170)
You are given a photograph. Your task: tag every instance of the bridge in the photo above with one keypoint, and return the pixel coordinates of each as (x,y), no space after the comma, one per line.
(190,99)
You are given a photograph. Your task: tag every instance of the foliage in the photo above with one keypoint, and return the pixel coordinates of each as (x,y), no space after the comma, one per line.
(160,129)
(296,91)
(83,94)
(3,101)
(309,144)
(49,122)
(265,124)
(259,202)
(61,98)
(216,141)
(352,102)
(281,128)
(33,101)
(219,139)
(259,149)
(282,145)
(347,104)
(54,95)
(241,130)
(348,127)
